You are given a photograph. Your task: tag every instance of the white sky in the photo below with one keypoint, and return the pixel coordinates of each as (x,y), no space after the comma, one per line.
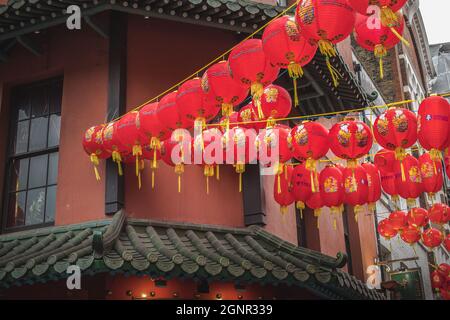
(436,16)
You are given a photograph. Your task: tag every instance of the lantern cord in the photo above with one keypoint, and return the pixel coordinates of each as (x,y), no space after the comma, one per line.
(95,162)
(398,35)
(335,75)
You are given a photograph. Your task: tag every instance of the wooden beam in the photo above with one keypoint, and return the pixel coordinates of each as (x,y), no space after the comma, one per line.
(114,184)
(97,28)
(252,196)
(30,45)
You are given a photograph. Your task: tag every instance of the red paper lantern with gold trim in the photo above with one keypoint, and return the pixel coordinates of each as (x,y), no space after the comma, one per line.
(386,230)
(412,187)
(410,235)
(192,103)
(399,220)
(273,142)
(444,269)
(275,102)
(439,213)
(248,114)
(325,23)
(282,190)
(168,116)
(447,242)
(93,145)
(418,217)
(384,160)
(315,203)
(437,280)
(373,183)
(434,125)
(356,188)
(432,238)
(286,48)
(332,190)
(387,9)
(301,185)
(350,140)
(377,40)
(221,89)
(251,68)
(431,173)
(112,144)
(389,186)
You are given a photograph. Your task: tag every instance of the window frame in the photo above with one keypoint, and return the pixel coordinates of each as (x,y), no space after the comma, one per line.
(11,157)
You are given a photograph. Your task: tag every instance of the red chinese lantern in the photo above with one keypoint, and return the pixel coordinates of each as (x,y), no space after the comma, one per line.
(445,293)
(315,203)
(373,184)
(93,145)
(356,188)
(411,187)
(301,186)
(384,160)
(221,89)
(192,103)
(249,115)
(444,269)
(131,135)
(434,125)
(387,8)
(431,173)
(418,217)
(377,40)
(240,149)
(284,198)
(447,242)
(275,103)
(437,280)
(112,144)
(272,143)
(228,122)
(168,116)
(250,67)
(438,213)
(287,48)
(175,153)
(410,235)
(389,186)
(447,165)
(432,238)
(332,190)
(350,140)
(325,23)
(386,230)
(310,142)
(398,220)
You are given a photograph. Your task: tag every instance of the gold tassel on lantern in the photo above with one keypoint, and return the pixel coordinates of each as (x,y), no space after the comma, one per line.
(95,162)
(217,172)
(400,155)
(257,90)
(357,210)
(137,153)
(327,49)
(155,145)
(227,109)
(208,172)
(317,213)
(380,52)
(179,170)
(300,206)
(400,37)
(388,17)
(240,169)
(295,72)
(117,158)
(435,156)
(311,166)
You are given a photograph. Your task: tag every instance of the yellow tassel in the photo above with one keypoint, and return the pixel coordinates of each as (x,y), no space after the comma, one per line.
(240,169)
(207,184)
(240,182)
(398,35)
(278,184)
(179,184)
(95,162)
(139,181)
(388,17)
(400,155)
(217,172)
(381,69)
(153,179)
(137,152)
(117,158)
(334,224)
(311,166)
(435,155)
(257,90)
(317,213)
(295,71)
(283,210)
(179,169)
(227,109)
(300,206)
(155,145)
(328,50)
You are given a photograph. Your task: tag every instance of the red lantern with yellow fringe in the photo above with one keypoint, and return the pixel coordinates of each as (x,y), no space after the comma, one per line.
(447,242)
(431,173)
(314,202)
(282,190)
(387,8)
(437,280)
(287,48)
(221,89)
(325,23)
(434,125)
(350,140)
(240,149)
(275,102)
(248,114)
(418,217)
(310,142)
(398,220)
(112,144)
(412,186)
(396,130)
(131,135)
(168,116)
(410,235)
(301,186)
(228,122)
(386,230)
(93,145)
(356,188)
(251,68)
(438,213)
(384,160)
(377,40)
(272,143)
(432,238)
(332,190)
(373,184)
(389,186)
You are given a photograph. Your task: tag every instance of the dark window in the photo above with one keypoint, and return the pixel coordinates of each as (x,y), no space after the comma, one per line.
(33,154)
(347,240)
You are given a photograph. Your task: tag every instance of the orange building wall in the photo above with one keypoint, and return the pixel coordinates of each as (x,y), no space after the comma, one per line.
(81,56)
